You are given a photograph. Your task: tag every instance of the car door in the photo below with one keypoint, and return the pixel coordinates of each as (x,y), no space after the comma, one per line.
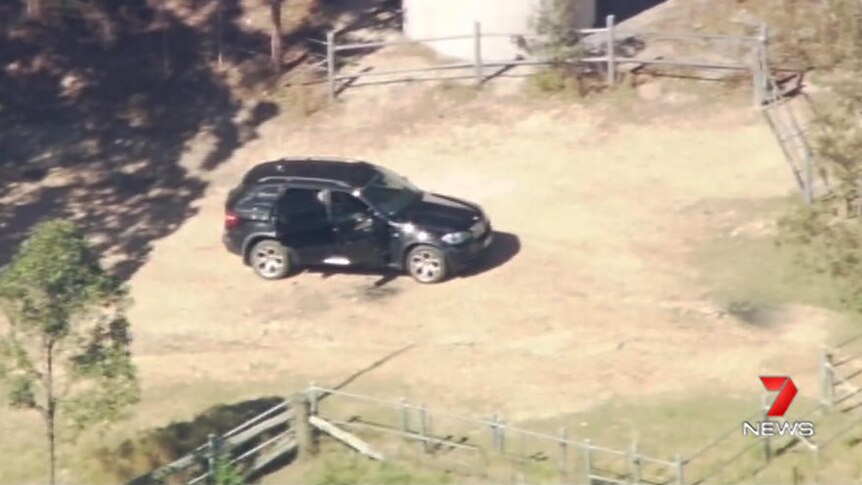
(362,235)
(302,224)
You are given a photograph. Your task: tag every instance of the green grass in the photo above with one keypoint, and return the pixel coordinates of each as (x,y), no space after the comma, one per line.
(749,273)
(345,468)
(336,465)
(756,271)
(661,428)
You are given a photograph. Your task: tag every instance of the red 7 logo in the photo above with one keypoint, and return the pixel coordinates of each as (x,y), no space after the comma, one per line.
(786,392)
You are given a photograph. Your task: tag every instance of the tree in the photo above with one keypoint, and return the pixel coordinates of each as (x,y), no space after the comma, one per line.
(555,25)
(558,42)
(64,349)
(224,472)
(830,245)
(276,34)
(839,139)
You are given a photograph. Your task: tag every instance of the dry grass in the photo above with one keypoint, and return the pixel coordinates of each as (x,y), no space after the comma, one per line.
(603,205)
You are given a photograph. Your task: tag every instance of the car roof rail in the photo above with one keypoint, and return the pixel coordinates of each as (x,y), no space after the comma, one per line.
(294,178)
(322,159)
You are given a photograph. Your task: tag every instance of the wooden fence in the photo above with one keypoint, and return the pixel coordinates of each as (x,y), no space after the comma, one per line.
(604,49)
(492,448)
(251,447)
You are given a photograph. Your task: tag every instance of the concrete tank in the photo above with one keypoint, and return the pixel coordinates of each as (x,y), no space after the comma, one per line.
(440,18)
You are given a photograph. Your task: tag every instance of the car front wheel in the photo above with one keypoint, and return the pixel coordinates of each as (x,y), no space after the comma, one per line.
(270,260)
(427,264)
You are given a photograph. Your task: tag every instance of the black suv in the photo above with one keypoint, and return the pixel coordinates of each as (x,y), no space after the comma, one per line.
(304,212)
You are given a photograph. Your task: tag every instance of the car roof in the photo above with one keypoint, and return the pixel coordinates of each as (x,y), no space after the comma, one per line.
(343,172)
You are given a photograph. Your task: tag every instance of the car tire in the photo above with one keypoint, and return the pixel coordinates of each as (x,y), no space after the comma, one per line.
(270,259)
(427,264)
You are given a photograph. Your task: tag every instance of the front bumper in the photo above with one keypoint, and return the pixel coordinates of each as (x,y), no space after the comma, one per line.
(463,256)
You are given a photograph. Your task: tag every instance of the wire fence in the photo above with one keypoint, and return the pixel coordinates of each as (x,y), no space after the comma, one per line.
(485,446)
(492,448)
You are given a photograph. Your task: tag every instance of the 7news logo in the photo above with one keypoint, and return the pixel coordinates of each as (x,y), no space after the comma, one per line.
(786,390)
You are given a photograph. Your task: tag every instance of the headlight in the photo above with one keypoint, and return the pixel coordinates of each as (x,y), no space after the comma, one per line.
(456,237)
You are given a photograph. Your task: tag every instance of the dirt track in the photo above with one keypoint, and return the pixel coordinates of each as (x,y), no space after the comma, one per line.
(588,294)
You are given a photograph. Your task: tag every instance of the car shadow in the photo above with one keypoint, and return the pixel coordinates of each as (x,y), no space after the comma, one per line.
(504,247)
(383,276)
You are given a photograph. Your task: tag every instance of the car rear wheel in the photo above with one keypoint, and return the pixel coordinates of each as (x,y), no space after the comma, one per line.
(427,264)
(270,259)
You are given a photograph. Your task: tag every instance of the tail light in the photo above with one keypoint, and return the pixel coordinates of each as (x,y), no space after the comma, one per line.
(231,220)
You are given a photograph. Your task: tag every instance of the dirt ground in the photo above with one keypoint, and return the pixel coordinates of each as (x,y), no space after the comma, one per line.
(588,294)
(592,292)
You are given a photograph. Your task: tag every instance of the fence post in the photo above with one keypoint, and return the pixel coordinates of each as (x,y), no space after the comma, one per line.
(763,52)
(405,415)
(759,74)
(330,63)
(564,455)
(612,62)
(634,465)
(304,434)
(312,397)
(501,436)
(827,382)
(423,427)
(588,462)
(212,441)
(816,471)
(756,76)
(767,447)
(680,464)
(477,53)
(494,433)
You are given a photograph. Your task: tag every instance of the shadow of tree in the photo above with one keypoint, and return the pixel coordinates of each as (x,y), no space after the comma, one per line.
(98,110)
(135,458)
(152,449)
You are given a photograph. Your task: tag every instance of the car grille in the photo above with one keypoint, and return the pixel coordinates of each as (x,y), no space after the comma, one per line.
(478,229)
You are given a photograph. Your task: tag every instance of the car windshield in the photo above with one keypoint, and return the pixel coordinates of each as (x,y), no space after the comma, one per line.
(390,193)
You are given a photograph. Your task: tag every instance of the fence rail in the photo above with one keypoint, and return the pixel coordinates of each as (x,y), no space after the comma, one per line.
(470,442)
(606,49)
(606,40)
(492,436)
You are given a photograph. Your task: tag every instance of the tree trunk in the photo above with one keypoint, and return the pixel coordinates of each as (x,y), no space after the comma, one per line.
(50,409)
(275,41)
(36,9)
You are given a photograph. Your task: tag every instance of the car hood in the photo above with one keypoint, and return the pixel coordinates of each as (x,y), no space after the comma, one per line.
(441,213)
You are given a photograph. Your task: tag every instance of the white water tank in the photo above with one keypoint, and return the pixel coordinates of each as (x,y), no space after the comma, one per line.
(425,19)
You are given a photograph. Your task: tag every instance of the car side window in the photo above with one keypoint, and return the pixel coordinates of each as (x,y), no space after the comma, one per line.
(260,197)
(301,208)
(346,207)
